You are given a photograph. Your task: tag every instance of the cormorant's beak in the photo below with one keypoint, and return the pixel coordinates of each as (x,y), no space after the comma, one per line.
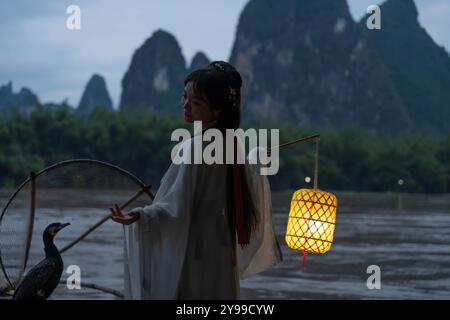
(63,226)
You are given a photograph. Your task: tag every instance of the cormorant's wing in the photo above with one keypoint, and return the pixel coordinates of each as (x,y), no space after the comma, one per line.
(36,280)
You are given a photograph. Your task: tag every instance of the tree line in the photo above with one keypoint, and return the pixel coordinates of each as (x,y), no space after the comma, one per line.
(351,158)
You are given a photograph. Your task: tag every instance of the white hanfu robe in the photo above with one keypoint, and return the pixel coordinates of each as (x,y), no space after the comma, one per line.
(181,246)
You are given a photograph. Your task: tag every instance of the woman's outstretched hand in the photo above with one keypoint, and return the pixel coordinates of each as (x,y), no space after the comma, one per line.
(119,217)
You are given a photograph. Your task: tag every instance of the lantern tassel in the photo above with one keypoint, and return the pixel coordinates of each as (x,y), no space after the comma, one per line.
(305,255)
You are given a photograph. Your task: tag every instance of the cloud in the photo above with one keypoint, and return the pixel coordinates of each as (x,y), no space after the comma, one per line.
(12,12)
(40,52)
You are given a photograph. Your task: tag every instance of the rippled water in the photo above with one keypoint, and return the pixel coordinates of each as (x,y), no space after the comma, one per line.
(411,248)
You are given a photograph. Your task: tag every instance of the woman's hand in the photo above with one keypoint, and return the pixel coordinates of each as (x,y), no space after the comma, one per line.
(119,217)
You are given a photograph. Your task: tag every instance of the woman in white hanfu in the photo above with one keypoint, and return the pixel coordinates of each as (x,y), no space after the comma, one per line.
(210,224)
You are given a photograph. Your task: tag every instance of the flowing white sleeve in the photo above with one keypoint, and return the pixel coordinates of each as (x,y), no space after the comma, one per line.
(174,195)
(155,246)
(177,189)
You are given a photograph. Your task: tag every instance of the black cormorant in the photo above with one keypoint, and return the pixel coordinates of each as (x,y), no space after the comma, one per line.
(43,278)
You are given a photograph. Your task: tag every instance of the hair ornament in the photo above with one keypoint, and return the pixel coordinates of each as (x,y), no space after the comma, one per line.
(233,96)
(219,66)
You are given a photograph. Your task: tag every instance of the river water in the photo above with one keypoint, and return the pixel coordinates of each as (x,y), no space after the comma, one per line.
(411,248)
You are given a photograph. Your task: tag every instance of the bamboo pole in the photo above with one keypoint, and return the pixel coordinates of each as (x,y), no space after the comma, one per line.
(287,144)
(106,218)
(316,164)
(30,224)
(316,156)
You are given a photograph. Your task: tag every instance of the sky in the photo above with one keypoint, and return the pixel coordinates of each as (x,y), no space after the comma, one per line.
(38,51)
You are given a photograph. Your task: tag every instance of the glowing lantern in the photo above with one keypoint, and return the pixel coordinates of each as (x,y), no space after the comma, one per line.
(312,219)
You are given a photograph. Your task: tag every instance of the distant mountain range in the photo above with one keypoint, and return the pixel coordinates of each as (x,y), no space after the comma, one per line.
(95,95)
(309,62)
(24,100)
(305,62)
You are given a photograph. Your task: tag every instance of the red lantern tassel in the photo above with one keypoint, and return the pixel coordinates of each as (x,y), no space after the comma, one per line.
(305,255)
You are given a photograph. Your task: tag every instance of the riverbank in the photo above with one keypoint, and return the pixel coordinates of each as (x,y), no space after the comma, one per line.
(354,202)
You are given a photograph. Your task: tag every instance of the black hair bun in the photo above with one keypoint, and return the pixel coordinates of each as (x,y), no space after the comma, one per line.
(234,78)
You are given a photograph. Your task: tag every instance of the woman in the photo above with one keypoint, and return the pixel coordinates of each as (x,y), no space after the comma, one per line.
(208,225)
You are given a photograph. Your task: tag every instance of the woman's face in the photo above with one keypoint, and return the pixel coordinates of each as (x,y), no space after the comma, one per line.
(196,108)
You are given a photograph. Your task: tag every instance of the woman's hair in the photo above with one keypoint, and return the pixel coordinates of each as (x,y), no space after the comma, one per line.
(220,85)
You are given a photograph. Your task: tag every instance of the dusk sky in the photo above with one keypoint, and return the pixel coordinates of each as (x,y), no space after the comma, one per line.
(38,51)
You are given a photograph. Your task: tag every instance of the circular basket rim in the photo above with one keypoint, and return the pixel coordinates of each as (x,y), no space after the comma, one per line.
(53,167)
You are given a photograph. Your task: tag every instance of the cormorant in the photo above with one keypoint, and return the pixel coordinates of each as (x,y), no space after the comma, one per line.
(42,279)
